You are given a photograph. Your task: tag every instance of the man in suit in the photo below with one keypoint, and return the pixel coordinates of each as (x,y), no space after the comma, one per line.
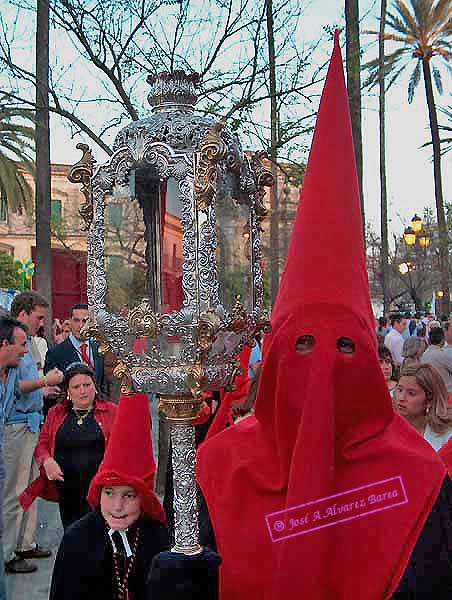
(76,349)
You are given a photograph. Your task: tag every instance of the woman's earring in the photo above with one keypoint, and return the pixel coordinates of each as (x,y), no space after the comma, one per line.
(427,409)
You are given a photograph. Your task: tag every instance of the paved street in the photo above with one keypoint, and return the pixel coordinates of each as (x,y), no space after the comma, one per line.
(35,586)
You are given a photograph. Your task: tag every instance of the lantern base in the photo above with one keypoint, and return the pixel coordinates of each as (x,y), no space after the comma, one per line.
(189,551)
(180,409)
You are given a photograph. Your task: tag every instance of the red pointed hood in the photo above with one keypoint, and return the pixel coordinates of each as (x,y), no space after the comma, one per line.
(325,262)
(324,293)
(324,434)
(129,459)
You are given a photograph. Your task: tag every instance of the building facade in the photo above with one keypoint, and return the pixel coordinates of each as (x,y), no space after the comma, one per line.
(69,242)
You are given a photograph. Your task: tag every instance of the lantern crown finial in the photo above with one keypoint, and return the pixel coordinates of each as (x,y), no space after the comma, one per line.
(173,91)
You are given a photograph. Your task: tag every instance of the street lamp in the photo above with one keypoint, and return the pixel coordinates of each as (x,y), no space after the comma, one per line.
(415,233)
(417,241)
(406,267)
(416,223)
(409,236)
(174,232)
(424,240)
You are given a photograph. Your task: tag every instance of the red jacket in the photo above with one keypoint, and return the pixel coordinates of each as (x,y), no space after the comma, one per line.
(42,487)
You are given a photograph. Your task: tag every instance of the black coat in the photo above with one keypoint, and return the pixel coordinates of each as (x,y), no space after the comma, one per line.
(84,562)
(63,354)
(428,575)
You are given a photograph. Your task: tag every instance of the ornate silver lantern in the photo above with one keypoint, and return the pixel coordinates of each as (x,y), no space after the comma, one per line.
(175,286)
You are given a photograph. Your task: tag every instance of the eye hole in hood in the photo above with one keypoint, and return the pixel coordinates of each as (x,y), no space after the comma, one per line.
(305,344)
(346,345)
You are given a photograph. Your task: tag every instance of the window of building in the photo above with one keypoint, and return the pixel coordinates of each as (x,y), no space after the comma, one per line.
(3,206)
(56,210)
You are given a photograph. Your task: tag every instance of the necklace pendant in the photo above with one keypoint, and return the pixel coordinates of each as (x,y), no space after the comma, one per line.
(79,421)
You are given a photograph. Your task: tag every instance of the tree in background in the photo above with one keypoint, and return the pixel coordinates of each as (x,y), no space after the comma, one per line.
(413,271)
(446,142)
(227,42)
(16,149)
(9,276)
(119,43)
(353,64)
(43,197)
(422,34)
(382,144)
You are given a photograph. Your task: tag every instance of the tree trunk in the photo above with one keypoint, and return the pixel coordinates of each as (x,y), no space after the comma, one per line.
(383,190)
(440,214)
(353,63)
(274,203)
(43,178)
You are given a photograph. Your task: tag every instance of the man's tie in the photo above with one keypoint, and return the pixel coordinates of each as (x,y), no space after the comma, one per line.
(85,356)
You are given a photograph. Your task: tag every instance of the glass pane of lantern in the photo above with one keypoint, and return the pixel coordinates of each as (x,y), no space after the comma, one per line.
(233,251)
(171,230)
(124,250)
(154,237)
(170,267)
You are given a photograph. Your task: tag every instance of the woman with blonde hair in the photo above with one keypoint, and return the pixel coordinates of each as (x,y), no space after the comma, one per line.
(421,397)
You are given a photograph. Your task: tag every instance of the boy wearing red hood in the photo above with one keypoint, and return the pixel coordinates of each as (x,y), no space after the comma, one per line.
(120,550)
(326,493)
(107,554)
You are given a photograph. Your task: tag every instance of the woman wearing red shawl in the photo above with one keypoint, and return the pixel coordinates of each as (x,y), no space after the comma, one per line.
(326,492)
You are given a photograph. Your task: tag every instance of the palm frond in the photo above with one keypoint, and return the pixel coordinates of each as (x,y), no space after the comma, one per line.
(408,19)
(445,143)
(444,53)
(17,189)
(16,150)
(421,10)
(414,81)
(391,62)
(444,30)
(437,79)
(441,14)
(24,130)
(395,76)
(446,111)
(396,23)
(405,39)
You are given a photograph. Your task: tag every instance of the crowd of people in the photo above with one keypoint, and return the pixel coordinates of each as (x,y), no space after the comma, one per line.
(415,354)
(55,459)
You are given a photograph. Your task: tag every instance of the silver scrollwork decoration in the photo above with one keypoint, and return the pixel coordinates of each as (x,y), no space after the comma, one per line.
(185,503)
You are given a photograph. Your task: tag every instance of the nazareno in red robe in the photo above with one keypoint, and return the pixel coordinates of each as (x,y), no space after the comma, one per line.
(324,493)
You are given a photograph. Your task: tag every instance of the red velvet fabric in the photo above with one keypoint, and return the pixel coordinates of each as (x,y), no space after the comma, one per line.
(104,413)
(129,459)
(236,397)
(324,422)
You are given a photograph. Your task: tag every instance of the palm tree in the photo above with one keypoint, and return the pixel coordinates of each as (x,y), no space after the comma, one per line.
(16,150)
(447,129)
(43,189)
(384,265)
(353,68)
(423,32)
(446,142)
